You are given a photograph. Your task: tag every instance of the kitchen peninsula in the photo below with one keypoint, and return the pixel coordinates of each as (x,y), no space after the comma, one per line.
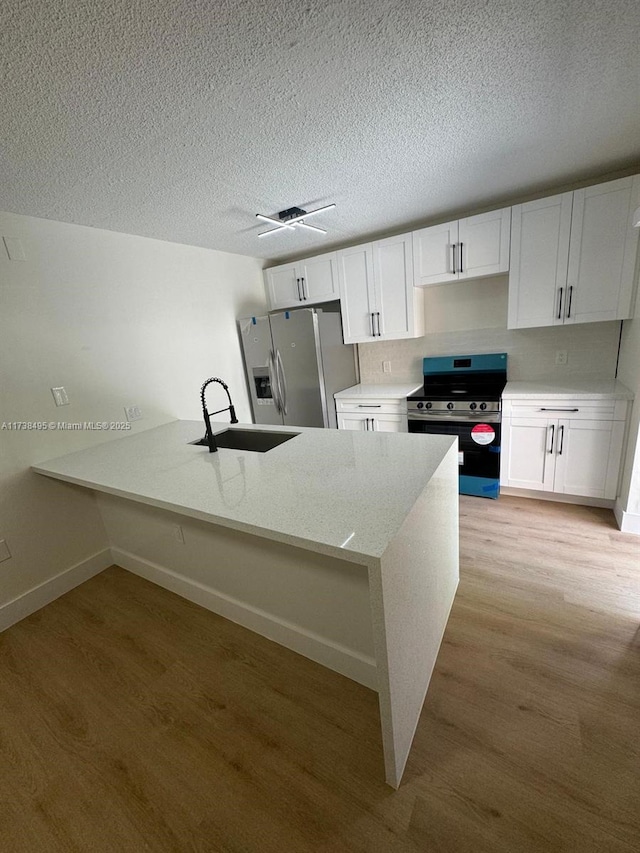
(342,546)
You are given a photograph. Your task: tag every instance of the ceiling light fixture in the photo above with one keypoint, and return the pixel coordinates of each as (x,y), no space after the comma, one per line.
(294,216)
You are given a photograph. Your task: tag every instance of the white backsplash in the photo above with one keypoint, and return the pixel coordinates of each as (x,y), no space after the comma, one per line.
(591,349)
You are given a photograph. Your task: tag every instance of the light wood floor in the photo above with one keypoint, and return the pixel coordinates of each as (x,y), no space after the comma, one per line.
(132,720)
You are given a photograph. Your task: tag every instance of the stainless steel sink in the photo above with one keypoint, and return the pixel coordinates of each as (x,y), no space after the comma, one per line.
(258,441)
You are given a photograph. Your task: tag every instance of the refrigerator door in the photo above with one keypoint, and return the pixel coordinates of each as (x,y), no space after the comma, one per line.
(259,360)
(299,367)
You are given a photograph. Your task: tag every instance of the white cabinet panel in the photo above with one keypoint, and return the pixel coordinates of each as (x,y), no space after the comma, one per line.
(540,233)
(306,282)
(484,244)
(390,423)
(377,297)
(393,278)
(320,278)
(357,295)
(434,254)
(467,248)
(353,421)
(570,453)
(573,256)
(582,458)
(603,251)
(282,285)
(527,453)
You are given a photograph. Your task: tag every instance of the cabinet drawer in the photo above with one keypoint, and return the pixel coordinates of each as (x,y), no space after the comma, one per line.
(372,406)
(613,410)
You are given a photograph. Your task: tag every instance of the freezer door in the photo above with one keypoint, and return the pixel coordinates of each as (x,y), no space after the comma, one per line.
(299,367)
(259,358)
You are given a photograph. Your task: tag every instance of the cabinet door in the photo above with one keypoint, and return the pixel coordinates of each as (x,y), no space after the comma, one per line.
(390,423)
(319,278)
(393,285)
(355,274)
(528,453)
(483,247)
(539,258)
(433,254)
(283,290)
(583,453)
(354,420)
(603,251)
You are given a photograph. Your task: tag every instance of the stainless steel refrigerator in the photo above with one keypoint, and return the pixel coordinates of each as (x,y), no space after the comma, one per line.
(295,362)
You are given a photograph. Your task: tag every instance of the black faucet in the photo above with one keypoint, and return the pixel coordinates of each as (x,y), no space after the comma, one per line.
(211,441)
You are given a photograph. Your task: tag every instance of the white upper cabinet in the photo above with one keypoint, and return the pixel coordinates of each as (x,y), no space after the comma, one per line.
(474,247)
(539,260)
(602,251)
(573,256)
(305,282)
(377,296)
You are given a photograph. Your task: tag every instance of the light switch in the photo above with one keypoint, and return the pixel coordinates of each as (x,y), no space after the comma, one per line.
(60,396)
(133,413)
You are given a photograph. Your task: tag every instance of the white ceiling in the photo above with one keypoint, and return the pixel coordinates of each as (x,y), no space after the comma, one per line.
(181,119)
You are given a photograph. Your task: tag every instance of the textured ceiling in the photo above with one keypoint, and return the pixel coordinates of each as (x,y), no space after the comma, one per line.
(181,119)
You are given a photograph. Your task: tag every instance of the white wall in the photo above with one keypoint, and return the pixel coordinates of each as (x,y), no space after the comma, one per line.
(118,320)
(471,316)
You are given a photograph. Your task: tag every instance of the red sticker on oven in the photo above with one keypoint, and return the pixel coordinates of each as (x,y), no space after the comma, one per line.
(483,434)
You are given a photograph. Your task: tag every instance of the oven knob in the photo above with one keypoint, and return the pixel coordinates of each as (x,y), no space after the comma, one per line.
(473,406)
(420,405)
(449,405)
(483,406)
(428,405)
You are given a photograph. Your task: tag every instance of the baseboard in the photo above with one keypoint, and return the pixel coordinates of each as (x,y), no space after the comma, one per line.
(556,497)
(353,665)
(27,603)
(628,522)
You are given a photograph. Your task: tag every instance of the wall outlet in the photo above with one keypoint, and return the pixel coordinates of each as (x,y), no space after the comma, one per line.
(561,356)
(5,553)
(178,533)
(60,396)
(133,413)
(386,367)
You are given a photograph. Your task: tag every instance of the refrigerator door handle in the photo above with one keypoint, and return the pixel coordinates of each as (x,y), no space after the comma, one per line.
(281,379)
(273,381)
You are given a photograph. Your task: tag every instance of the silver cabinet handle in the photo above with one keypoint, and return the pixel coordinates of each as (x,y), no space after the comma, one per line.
(569,303)
(561,439)
(553,432)
(559,317)
(559,410)
(460,259)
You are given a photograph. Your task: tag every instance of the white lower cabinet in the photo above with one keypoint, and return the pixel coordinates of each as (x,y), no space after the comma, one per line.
(571,448)
(372,415)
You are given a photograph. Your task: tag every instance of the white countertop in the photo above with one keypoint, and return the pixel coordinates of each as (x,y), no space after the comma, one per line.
(338,492)
(581,388)
(381,392)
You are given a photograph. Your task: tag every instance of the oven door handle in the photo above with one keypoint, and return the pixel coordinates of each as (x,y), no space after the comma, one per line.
(489,418)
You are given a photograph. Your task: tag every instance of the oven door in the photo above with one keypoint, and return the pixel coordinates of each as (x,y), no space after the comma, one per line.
(478,449)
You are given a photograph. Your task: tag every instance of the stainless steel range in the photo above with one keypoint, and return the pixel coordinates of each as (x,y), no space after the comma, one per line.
(462,397)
